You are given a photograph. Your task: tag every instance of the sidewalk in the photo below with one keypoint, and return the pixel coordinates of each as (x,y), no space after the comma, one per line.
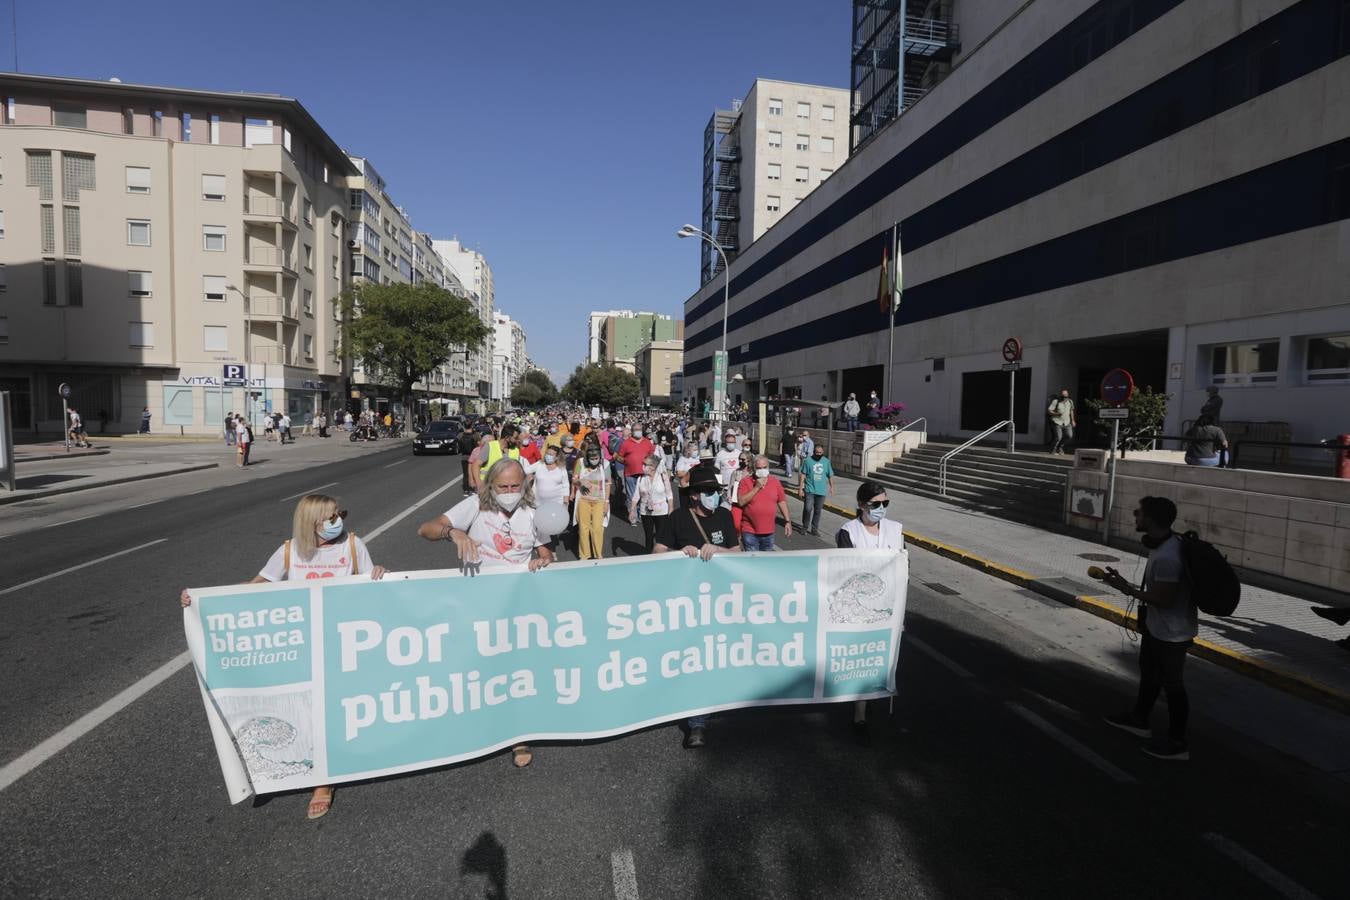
(1273,638)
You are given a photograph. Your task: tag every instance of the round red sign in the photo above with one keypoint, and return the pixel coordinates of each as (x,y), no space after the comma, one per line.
(1012,350)
(1117,387)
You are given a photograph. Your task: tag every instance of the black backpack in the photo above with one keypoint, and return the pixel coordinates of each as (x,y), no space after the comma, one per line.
(1215,588)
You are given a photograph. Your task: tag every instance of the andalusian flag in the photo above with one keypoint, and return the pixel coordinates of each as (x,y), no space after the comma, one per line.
(892,278)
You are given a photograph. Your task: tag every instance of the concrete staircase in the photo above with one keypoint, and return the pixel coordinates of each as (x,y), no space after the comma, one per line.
(1022,487)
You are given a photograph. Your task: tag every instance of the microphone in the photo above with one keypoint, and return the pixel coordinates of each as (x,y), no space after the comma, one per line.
(1096,572)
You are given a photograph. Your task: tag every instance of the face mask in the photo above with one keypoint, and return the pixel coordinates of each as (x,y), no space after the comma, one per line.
(507,502)
(550,458)
(731,445)
(875,515)
(710,501)
(592,461)
(817,456)
(637,435)
(761,473)
(568,444)
(331,531)
(553,430)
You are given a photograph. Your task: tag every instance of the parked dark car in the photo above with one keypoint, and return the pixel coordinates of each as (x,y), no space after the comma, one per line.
(438,437)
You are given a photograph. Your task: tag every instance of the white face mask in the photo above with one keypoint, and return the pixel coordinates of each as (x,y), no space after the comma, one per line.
(761,473)
(637,434)
(507,502)
(710,501)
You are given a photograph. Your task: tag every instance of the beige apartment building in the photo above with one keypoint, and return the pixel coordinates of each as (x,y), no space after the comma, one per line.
(166,248)
(473,271)
(763,156)
(657,362)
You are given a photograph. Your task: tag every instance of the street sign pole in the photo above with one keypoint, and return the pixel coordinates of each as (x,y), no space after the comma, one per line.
(64,391)
(1117,389)
(1111,478)
(1012,410)
(6,443)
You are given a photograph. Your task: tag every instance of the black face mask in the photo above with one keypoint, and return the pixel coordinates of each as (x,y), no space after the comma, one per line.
(817,456)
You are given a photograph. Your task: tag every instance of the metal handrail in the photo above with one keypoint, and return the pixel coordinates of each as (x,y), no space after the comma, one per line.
(942,463)
(894,435)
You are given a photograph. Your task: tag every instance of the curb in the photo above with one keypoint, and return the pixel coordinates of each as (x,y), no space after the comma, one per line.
(1243,664)
(71,489)
(50,456)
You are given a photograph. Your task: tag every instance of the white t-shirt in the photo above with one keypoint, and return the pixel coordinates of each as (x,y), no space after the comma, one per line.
(501,541)
(241,432)
(727,462)
(1178,622)
(328,561)
(285,421)
(685,464)
(890,536)
(550,485)
(75,420)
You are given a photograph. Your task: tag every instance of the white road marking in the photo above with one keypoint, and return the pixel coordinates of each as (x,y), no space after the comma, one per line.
(17,768)
(139,505)
(399,463)
(310,491)
(21,766)
(1279,882)
(944,661)
(1082,751)
(625,875)
(412,509)
(83,565)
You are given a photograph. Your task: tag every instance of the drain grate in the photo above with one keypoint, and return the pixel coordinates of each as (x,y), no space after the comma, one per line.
(941,588)
(1099,557)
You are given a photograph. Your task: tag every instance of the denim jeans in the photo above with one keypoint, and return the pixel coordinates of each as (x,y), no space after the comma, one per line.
(852,423)
(1211,461)
(789,464)
(1063,434)
(630,486)
(756,541)
(812,504)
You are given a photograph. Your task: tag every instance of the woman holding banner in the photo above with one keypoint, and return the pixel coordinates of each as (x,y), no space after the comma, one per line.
(496,529)
(319,547)
(869,529)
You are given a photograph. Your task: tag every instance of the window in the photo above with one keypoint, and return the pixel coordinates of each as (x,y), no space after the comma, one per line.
(803,110)
(309,346)
(140,284)
(157,124)
(128,121)
(64,116)
(337,268)
(77,174)
(803,175)
(4,279)
(48,228)
(775,106)
(257,132)
(1254,363)
(803,142)
(70,230)
(74,283)
(826,173)
(216,337)
(215,129)
(309,301)
(138,232)
(775,140)
(2,223)
(1328,358)
(49,282)
(772,203)
(213,237)
(775,171)
(141,334)
(138,179)
(370,270)
(827,114)
(309,258)
(214,288)
(185,124)
(9,111)
(213,187)
(308,213)
(827,145)
(40,172)
(4,330)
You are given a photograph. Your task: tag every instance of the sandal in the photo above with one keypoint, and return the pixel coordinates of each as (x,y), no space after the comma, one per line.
(320,805)
(521,755)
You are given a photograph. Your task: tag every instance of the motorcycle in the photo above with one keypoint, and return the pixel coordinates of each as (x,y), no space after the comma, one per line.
(364,433)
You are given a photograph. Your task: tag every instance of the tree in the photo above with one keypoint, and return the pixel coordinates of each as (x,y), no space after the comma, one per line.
(526,393)
(401,332)
(602,385)
(548,391)
(1147,412)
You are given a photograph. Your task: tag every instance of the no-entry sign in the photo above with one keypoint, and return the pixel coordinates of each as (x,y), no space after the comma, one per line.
(1117,387)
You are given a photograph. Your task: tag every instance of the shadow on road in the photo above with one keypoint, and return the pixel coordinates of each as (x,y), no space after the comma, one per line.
(487,857)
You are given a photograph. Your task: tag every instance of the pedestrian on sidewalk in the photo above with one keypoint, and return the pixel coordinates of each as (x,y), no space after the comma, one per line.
(1064,418)
(1168,623)
(145,420)
(243,436)
(873,409)
(869,529)
(319,547)
(701,528)
(269,427)
(762,499)
(851,410)
(787,446)
(805,447)
(1213,406)
(284,429)
(229,429)
(816,483)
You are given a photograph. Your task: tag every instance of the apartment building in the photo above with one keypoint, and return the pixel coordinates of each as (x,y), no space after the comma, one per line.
(510,357)
(658,365)
(1156,185)
(763,156)
(616,335)
(166,248)
(473,271)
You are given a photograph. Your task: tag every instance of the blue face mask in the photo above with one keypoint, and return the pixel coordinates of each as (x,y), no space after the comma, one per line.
(710,501)
(331,531)
(875,515)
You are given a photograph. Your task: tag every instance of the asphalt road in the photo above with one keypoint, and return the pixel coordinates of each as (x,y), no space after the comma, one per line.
(993,776)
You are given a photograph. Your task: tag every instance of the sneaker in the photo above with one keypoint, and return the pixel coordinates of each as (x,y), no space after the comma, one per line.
(694,739)
(1129,722)
(1169,750)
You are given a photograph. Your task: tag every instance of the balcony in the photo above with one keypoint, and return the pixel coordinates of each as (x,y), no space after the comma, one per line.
(270,259)
(270,353)
(268,209)
(271,308)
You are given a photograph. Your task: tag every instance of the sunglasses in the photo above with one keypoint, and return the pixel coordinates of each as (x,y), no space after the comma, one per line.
(333,519)
(879,504)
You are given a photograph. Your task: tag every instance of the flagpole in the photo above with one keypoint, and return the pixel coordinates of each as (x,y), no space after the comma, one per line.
(890,350)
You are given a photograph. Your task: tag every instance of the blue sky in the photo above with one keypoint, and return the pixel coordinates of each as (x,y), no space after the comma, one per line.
(564,140)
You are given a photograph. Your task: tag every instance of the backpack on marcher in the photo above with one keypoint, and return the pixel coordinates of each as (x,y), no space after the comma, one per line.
(1215,588)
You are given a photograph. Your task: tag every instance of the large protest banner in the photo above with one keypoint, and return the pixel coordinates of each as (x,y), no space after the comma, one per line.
(330,680)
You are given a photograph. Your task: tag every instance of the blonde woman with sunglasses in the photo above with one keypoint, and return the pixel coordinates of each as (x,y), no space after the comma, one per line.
(319,547)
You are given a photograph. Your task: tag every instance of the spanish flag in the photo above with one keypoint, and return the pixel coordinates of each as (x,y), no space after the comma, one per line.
(891,284)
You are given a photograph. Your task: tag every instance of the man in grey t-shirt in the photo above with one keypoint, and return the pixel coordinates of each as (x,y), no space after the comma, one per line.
(1169,623)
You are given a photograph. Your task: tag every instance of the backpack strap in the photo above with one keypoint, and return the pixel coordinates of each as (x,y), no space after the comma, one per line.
(351,551)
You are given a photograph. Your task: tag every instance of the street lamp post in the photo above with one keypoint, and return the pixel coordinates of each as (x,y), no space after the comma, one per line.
(719,384)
